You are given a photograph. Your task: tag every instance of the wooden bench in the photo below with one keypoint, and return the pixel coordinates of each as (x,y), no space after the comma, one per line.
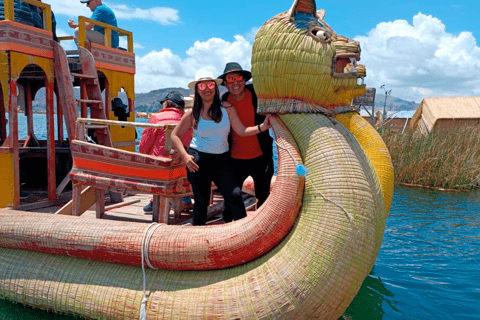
(102,168)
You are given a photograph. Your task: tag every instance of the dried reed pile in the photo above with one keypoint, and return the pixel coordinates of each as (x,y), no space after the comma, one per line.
(445,159)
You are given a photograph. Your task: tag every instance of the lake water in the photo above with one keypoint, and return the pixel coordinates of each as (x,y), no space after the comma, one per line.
(428,266)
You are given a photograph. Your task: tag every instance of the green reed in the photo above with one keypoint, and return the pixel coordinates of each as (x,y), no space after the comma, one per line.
(446,160)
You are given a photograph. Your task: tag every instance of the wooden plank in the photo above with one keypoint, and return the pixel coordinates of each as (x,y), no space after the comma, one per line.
(126,123)
(85,198)
(65,90)
(63,184)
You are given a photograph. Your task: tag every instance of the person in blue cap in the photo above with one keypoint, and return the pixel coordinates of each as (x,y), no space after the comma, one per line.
(101,13)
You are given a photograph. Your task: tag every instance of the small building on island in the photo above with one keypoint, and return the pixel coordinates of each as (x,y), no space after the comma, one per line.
(446,113)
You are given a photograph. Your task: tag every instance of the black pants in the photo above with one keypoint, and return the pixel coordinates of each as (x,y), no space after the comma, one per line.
(216,168)
(261,169)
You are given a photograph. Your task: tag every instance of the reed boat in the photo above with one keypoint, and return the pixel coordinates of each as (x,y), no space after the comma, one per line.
(303,254)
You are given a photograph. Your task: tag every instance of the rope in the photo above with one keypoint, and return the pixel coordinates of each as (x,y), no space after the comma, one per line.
(145,244)
(302,171)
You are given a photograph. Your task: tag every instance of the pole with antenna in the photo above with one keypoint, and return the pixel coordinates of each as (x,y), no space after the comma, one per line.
(384,116)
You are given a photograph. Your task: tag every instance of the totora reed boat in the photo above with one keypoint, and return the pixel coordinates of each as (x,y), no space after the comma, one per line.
(303,254)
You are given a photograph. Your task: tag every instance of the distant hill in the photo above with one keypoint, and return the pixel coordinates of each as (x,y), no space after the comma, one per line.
(148,102)
(394,104)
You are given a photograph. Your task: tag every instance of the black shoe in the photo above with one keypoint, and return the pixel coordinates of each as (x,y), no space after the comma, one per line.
(149,207)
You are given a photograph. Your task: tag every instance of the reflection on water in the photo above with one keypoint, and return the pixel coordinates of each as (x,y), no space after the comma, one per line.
(428,266)
(429,260)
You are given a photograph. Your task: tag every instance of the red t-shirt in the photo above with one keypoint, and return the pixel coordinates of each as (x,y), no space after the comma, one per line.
(245,147)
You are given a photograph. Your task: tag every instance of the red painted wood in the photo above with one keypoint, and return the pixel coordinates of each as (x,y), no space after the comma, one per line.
(52,184)
(29,109)
(59,119)
(65,90)
(171,247)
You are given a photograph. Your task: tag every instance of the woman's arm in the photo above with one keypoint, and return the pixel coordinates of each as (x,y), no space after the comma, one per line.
(238,126)
(182,127)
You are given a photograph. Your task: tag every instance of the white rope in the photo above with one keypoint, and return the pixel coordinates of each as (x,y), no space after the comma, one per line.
(305,173)
(145,244)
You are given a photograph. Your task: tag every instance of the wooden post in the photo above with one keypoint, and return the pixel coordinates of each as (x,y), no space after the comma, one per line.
(60,120)
(155,208)
(100,202)
(107,102)
(83,96)
(52,181)
(13,123)
(29,110)
(161,209)
(76,199)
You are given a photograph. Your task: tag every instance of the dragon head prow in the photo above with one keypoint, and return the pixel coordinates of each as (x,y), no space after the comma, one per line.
(299,64)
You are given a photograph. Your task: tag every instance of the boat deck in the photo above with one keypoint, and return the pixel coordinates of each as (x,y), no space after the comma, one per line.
(131,209)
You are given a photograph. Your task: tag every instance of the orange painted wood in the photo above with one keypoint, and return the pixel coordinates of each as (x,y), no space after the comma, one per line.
(150,173)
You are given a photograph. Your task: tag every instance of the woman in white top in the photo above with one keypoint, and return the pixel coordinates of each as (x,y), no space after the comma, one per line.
(207,158)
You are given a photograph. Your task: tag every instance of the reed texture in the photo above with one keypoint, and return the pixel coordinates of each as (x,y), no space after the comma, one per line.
(444,159)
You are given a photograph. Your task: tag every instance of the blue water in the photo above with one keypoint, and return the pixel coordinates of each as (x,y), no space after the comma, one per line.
(429,263)
(428,266)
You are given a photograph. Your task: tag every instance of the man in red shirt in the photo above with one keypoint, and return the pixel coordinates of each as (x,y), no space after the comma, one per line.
(153,140)
(251,156)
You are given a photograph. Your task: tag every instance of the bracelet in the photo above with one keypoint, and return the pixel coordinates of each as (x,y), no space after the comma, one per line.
(259,128)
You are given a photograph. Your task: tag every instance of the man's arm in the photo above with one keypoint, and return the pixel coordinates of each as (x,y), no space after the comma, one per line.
(73,25)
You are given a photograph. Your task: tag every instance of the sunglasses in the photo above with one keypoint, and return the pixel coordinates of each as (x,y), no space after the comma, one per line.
(203,85)
(232,79)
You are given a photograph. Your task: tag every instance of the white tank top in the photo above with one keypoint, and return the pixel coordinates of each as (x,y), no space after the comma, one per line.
(212,137)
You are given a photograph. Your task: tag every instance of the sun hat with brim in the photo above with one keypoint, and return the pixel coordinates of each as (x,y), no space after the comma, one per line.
(203,75)
(235,67)
(175,97)
(85,1)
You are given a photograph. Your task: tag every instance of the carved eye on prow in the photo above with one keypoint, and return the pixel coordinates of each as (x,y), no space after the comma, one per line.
(320,34)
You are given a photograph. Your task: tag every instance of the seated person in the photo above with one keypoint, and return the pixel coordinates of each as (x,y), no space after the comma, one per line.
(153,140)
(101,13)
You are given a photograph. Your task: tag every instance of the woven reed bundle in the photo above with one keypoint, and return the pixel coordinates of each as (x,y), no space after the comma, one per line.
(290,62)
(375,148)
(171,247)
(314,273)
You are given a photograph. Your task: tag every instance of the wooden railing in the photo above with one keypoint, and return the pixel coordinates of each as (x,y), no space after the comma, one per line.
(82,34)
(8,6)
(83,122)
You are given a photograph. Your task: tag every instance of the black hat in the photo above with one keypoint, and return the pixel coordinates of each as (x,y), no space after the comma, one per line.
(85,1)
(175,97)
(235,67)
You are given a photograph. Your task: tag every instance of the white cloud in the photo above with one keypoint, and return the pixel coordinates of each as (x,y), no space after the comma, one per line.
(161,15)
(421,59)
(160,69)
(164,16)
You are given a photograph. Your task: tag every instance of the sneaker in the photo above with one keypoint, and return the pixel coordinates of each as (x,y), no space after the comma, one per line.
(149,207)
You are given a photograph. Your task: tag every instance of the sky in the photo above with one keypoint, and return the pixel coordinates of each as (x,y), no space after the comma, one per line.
(417,49)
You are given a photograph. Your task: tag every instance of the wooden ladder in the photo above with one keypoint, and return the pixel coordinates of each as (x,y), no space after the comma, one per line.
(90,98)
(90,93)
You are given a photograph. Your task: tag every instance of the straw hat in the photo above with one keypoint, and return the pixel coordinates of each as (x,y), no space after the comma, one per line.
(202,75)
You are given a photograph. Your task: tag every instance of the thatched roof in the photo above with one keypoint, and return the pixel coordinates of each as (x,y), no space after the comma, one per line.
(445,113)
